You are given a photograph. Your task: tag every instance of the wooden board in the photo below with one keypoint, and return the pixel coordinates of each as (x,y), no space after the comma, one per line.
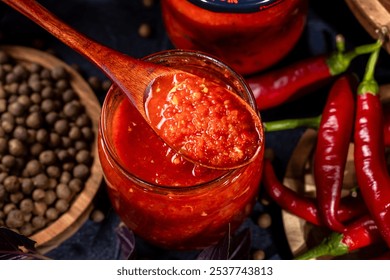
(69,222)
(372,15)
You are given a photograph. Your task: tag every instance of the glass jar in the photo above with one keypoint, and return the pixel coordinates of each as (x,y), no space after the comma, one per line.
(248,35)
(163,198)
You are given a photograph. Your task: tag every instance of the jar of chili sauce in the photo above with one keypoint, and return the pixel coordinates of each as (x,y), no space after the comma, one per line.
(162,197)
(249,35)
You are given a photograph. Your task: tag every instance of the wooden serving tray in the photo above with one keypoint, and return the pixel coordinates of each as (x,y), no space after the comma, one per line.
(372,15)
(69,222)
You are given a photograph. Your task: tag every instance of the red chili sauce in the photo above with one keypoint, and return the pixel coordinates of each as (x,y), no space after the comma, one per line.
(249,42)
(203,120)
(182,207)
(144,154)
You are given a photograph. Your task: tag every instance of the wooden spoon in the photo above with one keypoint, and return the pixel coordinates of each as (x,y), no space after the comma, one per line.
(136,78)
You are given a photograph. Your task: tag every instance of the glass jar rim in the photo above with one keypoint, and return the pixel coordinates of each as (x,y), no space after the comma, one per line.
(147,184)
(240,6)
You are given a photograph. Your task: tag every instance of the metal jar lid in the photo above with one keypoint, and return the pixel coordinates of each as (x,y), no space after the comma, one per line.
(237,6)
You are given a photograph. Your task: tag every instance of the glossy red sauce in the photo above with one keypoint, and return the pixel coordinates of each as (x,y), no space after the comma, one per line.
(203,120)
(144,154)
(249,42)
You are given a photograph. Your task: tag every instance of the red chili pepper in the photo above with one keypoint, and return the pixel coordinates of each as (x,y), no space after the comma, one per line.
(305,207)
(276,87)
(370,163)
(359,234)
(331,151)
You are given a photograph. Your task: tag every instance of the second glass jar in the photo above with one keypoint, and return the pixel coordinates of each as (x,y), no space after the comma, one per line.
(250,36)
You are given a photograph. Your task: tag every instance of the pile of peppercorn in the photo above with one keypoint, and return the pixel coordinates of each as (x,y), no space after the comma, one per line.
(45,150)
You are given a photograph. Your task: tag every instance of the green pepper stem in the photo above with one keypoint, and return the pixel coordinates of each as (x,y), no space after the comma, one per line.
(339,61)
(331,246)
(312,122)
(368,83)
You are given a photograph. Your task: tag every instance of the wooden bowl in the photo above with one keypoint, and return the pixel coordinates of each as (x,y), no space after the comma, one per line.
(300,234)
(68,223)
(372,15)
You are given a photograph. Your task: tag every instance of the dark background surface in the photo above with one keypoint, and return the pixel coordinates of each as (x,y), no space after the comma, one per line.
(115,23)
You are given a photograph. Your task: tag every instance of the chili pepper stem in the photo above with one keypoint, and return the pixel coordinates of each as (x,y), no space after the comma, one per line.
(340,61)
(312,122)
(368,83)
(330,246)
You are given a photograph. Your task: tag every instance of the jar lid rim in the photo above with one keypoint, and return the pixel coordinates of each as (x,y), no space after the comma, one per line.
(238,6)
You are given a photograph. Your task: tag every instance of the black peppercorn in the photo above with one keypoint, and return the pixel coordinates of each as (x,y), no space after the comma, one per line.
(8,161)
(16,147)
(63,191)
(11,184)
(15,219)
(34,120)
(20,133)
(26,205)
(33,167)
(61,127)
(41,181)
(47,157)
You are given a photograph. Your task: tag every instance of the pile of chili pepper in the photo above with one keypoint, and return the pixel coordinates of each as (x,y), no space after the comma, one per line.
(353,112)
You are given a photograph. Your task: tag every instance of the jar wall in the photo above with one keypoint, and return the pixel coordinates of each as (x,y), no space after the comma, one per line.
(190,217)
